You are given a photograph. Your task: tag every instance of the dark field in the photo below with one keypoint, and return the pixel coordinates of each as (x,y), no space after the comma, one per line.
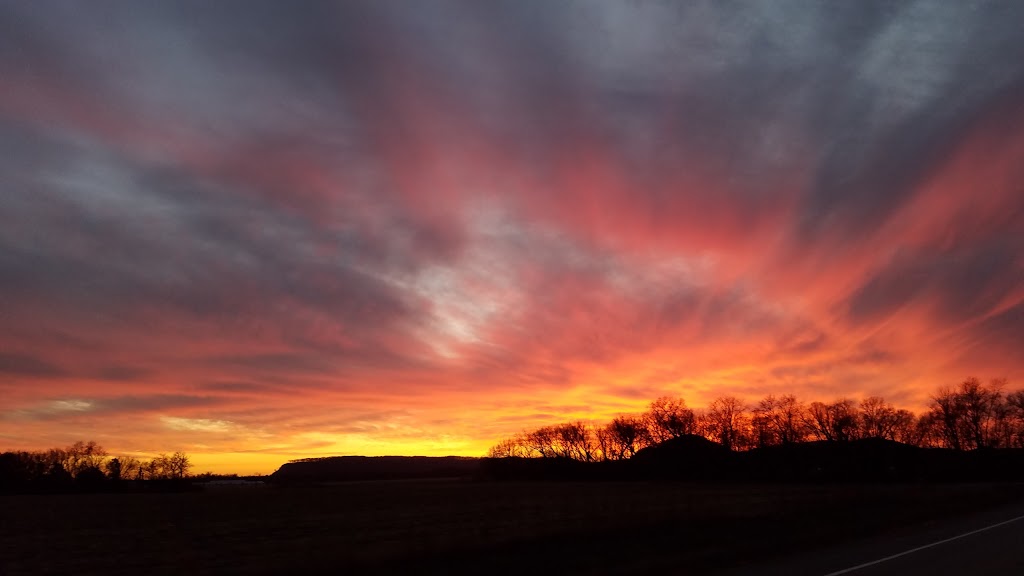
(458,527)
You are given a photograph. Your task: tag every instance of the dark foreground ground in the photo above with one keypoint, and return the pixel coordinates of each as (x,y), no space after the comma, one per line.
(985,543)
(445,527)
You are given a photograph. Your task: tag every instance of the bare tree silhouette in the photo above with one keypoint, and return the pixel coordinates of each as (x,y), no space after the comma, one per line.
(970,416)
(725,421)
(628,435)
(84,465)
(669,418)
(838,421)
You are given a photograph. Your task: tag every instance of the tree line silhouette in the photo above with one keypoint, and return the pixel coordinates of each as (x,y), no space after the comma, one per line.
(970,416)
(86,466)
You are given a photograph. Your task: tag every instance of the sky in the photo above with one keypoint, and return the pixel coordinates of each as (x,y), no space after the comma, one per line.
(257,231)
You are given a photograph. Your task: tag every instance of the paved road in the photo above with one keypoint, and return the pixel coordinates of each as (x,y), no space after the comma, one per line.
(986,544)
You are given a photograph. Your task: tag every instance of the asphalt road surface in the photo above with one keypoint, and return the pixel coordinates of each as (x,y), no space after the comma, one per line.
(985,544)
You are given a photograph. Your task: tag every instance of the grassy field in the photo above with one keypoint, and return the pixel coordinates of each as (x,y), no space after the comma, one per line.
(457,527)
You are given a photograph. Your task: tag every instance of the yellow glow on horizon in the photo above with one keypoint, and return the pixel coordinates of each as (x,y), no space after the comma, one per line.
(248,463)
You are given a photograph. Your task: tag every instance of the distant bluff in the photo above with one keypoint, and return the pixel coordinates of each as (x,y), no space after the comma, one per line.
(356,468)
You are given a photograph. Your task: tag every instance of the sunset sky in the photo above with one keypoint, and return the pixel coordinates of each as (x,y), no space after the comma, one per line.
(258,231)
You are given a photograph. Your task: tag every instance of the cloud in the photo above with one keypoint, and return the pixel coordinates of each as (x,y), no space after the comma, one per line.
(24,365)
(197,424)
(105,406)
(962,284)
(369,222)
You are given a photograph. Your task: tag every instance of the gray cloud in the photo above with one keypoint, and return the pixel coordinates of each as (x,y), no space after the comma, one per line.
(97,232)
(88,408)
(960,284)
(28,365)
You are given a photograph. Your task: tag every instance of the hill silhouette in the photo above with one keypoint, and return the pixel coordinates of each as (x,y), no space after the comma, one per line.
(877,460)
(354,468)
(869,459)
(694,458)
(688,457)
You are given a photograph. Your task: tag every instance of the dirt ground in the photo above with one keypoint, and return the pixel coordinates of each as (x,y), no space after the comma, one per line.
(444,527)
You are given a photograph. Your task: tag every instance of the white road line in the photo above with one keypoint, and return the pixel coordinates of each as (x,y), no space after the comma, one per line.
(919,548)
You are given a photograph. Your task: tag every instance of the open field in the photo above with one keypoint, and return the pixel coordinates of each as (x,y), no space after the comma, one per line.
(455,526)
